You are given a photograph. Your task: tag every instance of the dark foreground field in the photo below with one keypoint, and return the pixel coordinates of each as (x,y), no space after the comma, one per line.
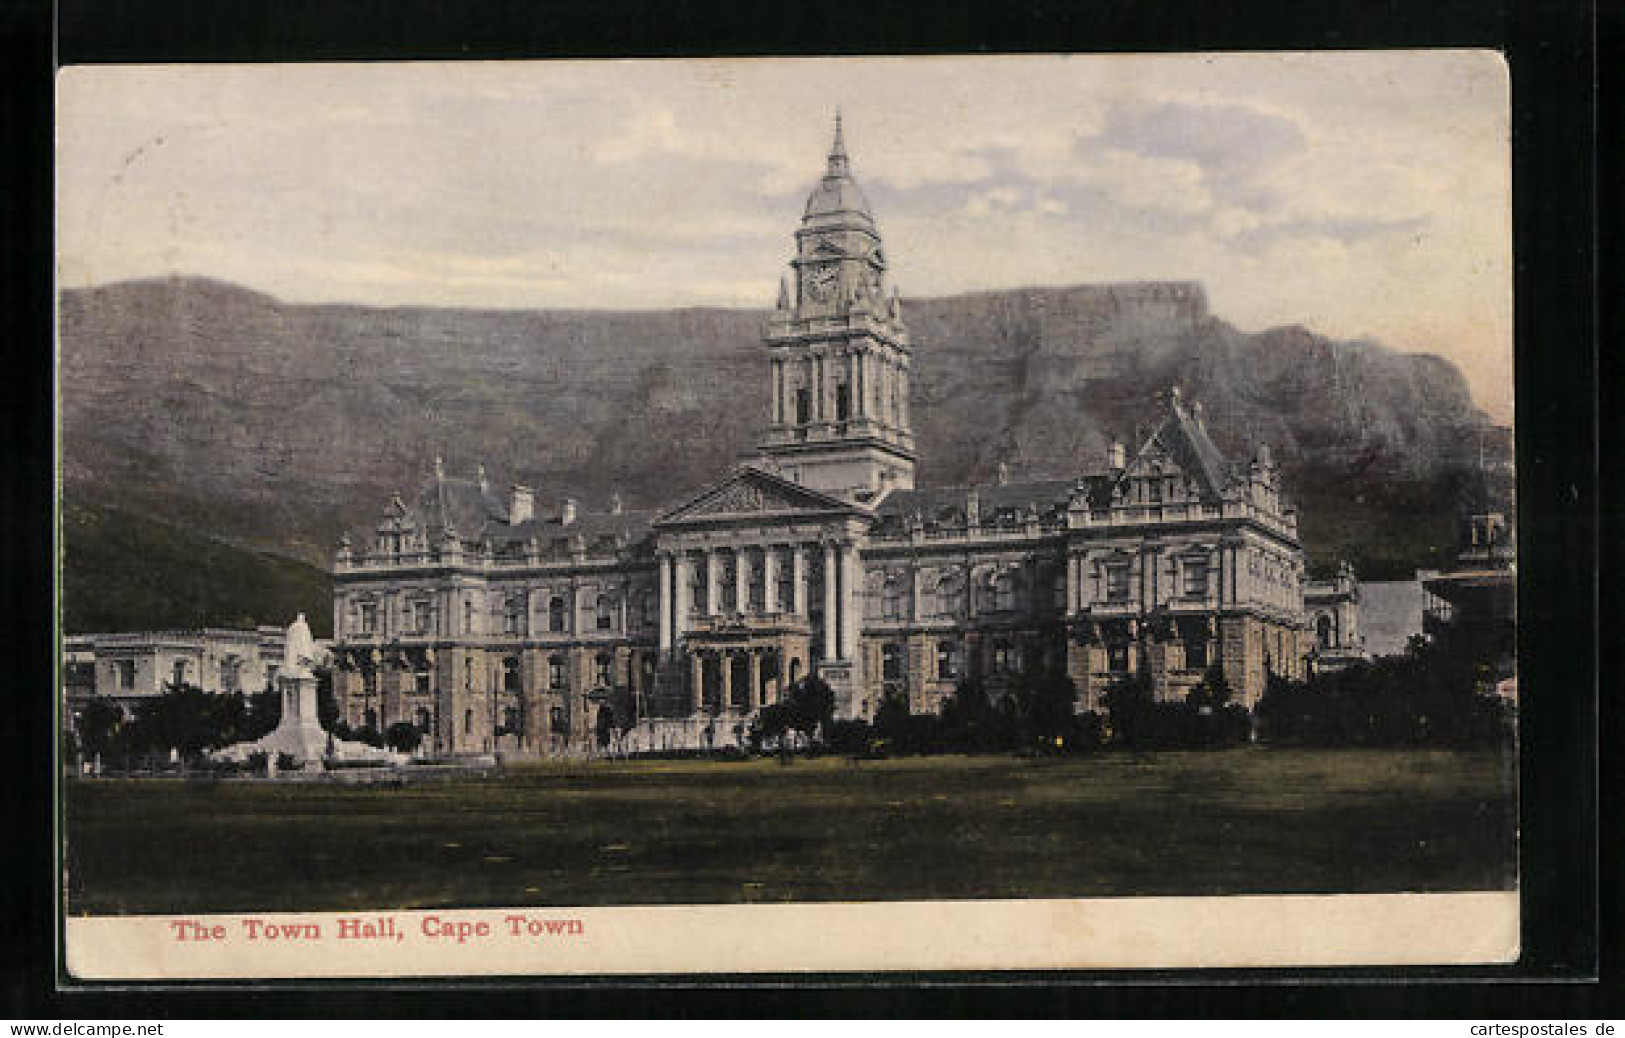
(1242,821)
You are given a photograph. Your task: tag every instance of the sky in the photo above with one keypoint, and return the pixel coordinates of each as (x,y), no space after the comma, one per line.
(1363,195)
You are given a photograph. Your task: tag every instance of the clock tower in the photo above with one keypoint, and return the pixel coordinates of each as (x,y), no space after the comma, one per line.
(840,354)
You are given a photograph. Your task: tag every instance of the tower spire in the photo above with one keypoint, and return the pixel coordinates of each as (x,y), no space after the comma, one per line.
(837,150)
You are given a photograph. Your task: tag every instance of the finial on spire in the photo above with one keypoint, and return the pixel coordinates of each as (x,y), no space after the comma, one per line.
(837,150)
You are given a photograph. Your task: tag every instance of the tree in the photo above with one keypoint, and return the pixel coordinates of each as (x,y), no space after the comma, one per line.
(403,737)
(1045,700)
(186,719)
(773,722)
(1131,709)
(263,715)
(812,705)
(98,725)
(970,723)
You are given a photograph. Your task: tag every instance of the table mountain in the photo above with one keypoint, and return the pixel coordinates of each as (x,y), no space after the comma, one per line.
(273,425)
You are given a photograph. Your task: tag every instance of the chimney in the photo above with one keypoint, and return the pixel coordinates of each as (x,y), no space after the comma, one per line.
(521,505)
(973,508)
(1117,457)
(484,486)
(615,506)
(569,515)
(1002,474)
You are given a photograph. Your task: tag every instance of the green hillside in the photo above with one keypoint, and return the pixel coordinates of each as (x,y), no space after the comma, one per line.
(124,572)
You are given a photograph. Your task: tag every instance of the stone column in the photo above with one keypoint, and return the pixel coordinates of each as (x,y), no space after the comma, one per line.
(663,602)
(851,601)
(832,605)
(713,585)
(683,579)
(798,580)
(916,593)
(902,396)
(725,705)
(696,664)
(741,580)
(755,681)
(770,580)
(778,391)
(860,386)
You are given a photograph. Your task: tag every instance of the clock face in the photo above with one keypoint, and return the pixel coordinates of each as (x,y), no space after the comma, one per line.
(821,283)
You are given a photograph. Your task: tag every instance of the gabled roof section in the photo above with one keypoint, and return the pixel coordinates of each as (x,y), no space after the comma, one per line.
(752,493)
(1186,443)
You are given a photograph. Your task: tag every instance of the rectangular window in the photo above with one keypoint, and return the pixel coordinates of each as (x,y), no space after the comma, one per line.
(803,406)
(1001,658)
(126,674)
(420,617)
(555,673)
(1117,583)
(369,618)
(1117,659)
(891,663)
(230,669)
(843,403)
(510,674)
(1196,653)
(1196,578)
(947,661)
(420,682)
(602,667)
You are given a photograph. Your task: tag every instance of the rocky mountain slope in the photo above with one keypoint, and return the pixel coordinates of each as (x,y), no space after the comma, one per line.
(267,424)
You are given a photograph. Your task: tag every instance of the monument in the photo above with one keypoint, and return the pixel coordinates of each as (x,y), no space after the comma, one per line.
(299,732)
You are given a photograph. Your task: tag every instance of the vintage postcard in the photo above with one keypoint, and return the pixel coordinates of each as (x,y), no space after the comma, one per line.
(786,515)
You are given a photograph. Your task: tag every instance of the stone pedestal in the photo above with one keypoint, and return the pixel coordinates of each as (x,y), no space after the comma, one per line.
(300,735)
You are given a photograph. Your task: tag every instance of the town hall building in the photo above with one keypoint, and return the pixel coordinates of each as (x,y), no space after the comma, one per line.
(496,621)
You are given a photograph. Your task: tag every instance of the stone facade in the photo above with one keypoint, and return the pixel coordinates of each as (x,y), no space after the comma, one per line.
(497,625)
(132,667)
(1333,609)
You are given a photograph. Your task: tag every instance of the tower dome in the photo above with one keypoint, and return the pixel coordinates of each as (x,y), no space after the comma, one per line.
(837,197)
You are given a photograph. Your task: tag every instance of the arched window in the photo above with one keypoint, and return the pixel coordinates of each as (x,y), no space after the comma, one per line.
(555,614)
(555,673)
(510,674)
(468,616)
(513,616)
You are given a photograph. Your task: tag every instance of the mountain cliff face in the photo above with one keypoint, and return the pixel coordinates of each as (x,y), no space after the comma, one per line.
(275,425)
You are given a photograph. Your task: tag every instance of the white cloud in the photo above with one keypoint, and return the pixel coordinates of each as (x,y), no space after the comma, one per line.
(1361,194)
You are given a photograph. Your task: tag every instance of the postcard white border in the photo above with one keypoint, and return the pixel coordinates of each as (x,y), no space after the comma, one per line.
(1097,933)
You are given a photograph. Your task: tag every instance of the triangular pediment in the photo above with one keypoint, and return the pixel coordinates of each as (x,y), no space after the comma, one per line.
(751,493)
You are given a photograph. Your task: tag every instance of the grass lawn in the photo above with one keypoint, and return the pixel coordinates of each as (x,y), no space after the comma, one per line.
(648,832)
